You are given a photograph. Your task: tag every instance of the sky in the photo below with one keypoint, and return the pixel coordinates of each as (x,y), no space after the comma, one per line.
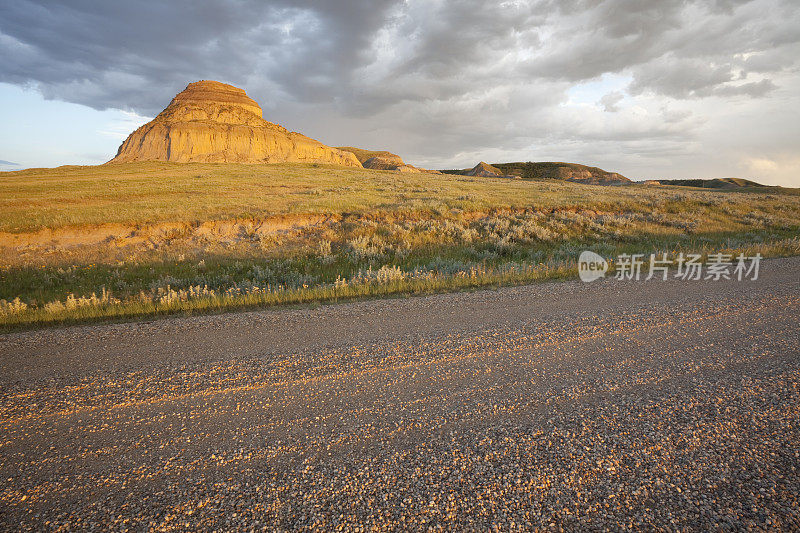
(653,89)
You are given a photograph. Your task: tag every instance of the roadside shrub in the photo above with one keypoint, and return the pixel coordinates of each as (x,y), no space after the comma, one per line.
(74,302)
(13,307)
(365,247)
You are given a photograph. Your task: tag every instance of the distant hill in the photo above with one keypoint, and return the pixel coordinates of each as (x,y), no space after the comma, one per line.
(382,160)
(716,183)
(563,171)
(553,170)
(383,163)
(365,155)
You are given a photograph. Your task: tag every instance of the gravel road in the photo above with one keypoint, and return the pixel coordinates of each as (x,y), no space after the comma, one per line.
(612,405)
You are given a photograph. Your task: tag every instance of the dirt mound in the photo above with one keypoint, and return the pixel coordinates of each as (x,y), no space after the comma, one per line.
(212,122)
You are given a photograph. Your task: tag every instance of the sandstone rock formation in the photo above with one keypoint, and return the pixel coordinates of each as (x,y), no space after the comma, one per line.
(485,170)
(383,160)
(383,163)
(212,122)
(364,155)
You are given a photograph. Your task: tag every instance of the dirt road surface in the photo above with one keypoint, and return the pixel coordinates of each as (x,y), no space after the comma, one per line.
(673,405)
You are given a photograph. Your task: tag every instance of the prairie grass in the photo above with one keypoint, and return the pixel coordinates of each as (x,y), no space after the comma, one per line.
(200,237)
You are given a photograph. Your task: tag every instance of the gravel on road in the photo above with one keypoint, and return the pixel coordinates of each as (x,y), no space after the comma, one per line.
(612,405)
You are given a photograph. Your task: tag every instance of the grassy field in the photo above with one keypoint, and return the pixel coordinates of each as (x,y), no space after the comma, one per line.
(87,243)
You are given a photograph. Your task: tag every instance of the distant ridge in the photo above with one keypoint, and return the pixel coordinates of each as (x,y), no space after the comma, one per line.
(547,170)
(715,183)
(563,171)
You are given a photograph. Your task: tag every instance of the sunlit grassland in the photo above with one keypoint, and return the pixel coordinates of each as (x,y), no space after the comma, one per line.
(157,192)
(203,237)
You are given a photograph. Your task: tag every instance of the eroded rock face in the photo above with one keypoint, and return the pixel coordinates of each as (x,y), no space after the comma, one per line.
(384,163)
(213,122)
(364,155)
(383,160)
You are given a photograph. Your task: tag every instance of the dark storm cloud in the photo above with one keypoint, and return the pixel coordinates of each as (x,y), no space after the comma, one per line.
(636,36)
(132,54)
(692,78)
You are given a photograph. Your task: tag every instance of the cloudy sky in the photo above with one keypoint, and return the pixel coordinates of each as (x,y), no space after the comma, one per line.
(649,88)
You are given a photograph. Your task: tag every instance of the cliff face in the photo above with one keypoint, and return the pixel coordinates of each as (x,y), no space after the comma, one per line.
(365,155)
(212,122)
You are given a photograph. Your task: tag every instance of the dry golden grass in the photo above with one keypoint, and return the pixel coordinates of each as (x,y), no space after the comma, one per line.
(141,193)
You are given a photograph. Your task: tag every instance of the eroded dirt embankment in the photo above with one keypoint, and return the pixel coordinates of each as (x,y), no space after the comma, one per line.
(223,231)
(127,234)
(116,241)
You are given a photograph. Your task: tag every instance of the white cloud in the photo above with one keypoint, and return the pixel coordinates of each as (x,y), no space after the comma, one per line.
(123,124)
